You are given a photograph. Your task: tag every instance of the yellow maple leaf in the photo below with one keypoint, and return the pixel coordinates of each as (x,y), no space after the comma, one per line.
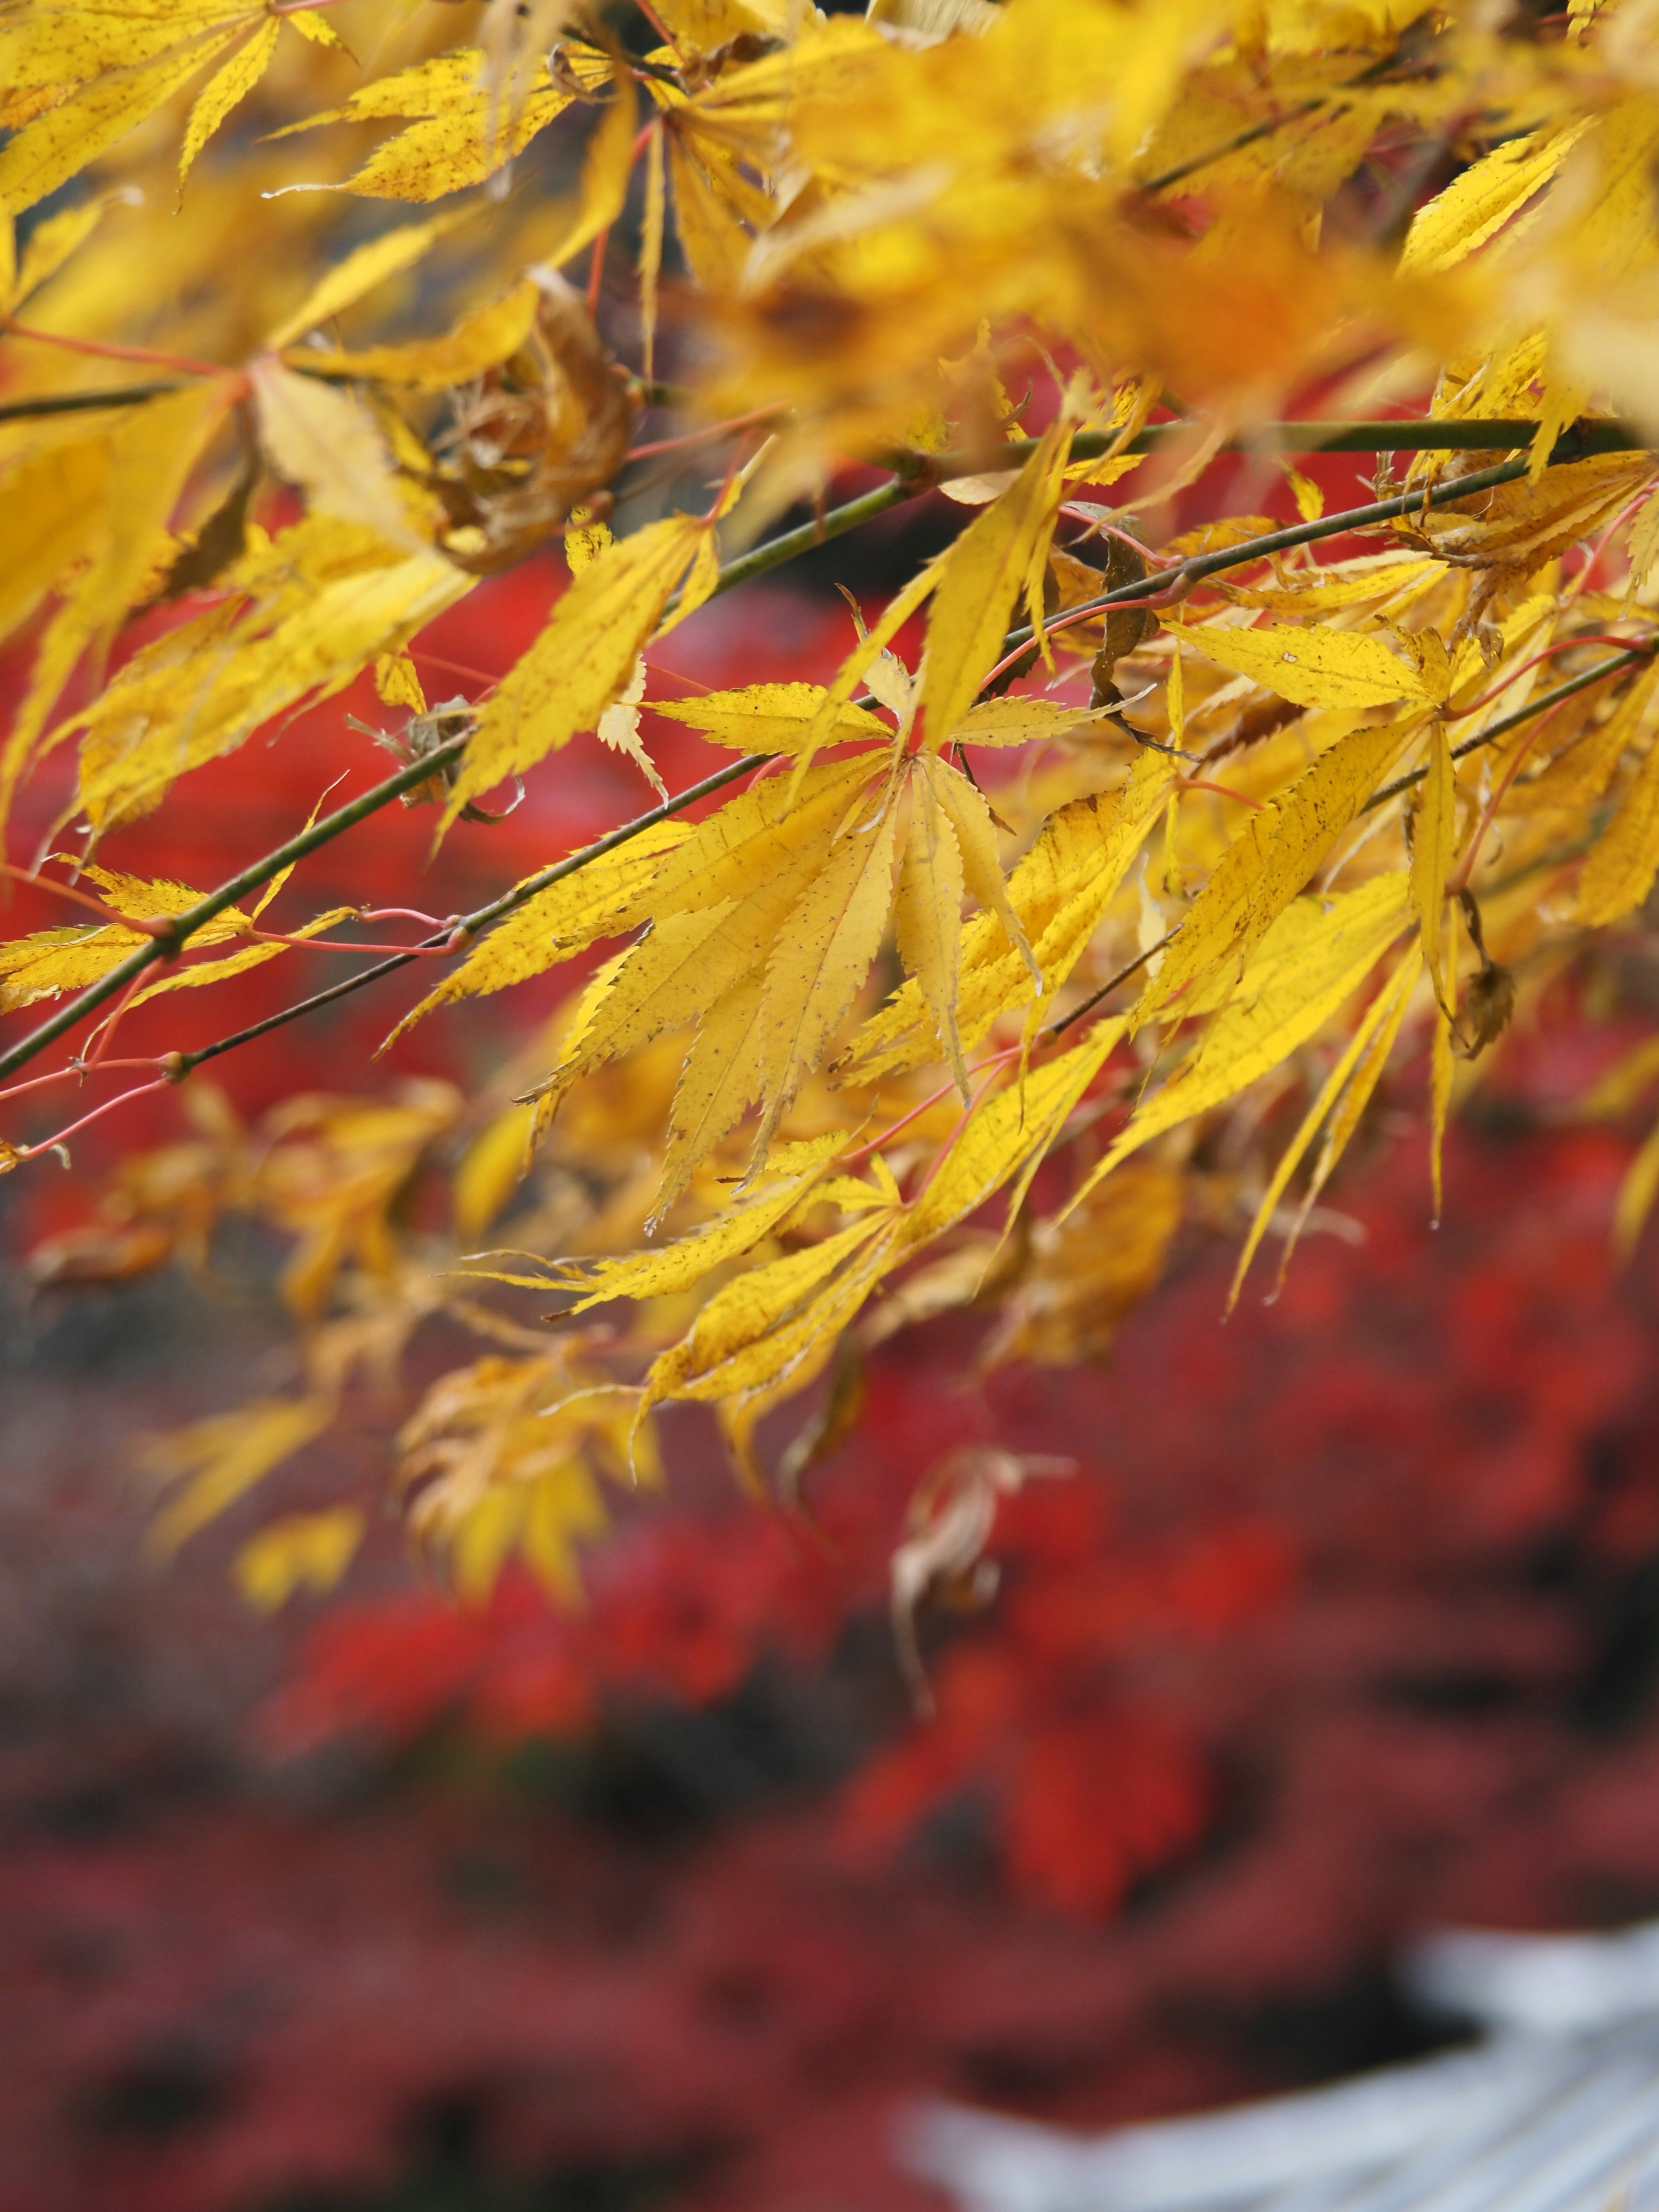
(216,1462)
(302,1551)
(454,136)
(582,659)
(990,566)
(771,718)
(479,341)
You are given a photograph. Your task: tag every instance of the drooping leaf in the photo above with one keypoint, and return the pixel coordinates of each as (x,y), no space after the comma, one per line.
(1313,667)
(478,342)
(1307,966)
(1433,845)
(214,1462)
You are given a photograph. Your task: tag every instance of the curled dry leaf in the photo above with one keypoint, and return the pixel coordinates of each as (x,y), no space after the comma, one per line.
(534,437)
(949,1520)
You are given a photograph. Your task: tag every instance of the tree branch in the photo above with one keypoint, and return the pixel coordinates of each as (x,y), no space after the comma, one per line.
(775,553)
(166,944)
(77,403)
(181,1064)
(1540,705)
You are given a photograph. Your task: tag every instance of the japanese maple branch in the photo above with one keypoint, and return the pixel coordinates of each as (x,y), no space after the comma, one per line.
(467,926)
(1542,704)
(77,403)
(167,942)
(168,935)
(1176,582)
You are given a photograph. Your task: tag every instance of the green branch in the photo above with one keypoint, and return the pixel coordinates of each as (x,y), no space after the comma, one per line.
(1540,705)
(166,945)
(77,403)
(496,910)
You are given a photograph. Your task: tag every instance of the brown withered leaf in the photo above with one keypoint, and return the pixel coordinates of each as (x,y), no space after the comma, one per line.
(949,1523)
(543,432)
(1125,628)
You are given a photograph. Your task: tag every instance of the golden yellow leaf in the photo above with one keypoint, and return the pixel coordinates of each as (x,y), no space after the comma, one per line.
(318,29)
(365,266)
(1311,667)
(706,24)
(150,459)
(1083,1275)
(651,238)
(478,342)
(491,1170)
(186,700)
(1479,202)
(302,1551)
(324,440)
(457,137)
(1307,966)
(1021,722)
(601,900)
(397,683)
(872,642)
(606,168)
(773,1320)
(1351,1106)
(720,1080)
(928,917)
(1433,842)
(981,580)
(1009,1131)
(1442,1067)
(720,903)
(1267,863)
(1620,871)
(821,958)
(55,502)
(966,809)
(503,1456)
(52,242)
(1383,1014)
(230,82)
(1346,584)
(786,1181)
(1059,892)
(581,660)
(770,718)
(47,151)
(218,1461)
(707,223)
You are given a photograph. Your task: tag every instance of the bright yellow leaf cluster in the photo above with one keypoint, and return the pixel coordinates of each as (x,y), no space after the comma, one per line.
(1109,879)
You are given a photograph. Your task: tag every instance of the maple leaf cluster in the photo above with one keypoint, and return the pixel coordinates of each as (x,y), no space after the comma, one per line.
(984,952)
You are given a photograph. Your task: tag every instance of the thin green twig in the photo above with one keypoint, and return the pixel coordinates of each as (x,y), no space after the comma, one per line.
(771,554)
(496,910)
(79,402)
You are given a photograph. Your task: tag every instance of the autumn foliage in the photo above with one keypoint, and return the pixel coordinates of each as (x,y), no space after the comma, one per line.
(428,437)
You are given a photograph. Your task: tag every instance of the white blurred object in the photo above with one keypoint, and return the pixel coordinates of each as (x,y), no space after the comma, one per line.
(1557,2111)
(1539,1984)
